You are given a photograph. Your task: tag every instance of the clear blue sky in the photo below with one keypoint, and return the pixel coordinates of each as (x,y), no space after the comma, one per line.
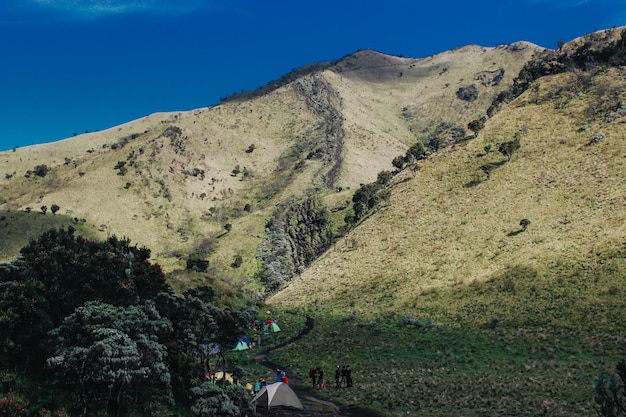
(70,66)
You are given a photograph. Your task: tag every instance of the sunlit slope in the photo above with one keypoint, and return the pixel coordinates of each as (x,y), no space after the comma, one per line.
(177,183)
(174,181)
(388,103)
(453,231)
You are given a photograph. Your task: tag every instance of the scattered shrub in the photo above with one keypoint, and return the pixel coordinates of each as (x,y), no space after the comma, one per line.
(467,93)
(476,125)
(237,261)
(596,138)
(41,170)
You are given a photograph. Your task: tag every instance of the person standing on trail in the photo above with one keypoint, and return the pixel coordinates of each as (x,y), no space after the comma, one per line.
(279,375)
(320,377)
(348,376)
(313,376)
(343,381)
(337,377)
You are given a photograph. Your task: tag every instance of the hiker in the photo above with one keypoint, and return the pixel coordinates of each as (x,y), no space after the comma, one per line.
(285,379)
(343,381)
(279,375)
(337,377)
(319,372)
(313,376)
(348,376)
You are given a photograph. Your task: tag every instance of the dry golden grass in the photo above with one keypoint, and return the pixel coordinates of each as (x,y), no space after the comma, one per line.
(440,230)
(158,204)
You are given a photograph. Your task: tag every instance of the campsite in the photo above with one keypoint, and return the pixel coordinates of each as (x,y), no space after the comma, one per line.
(297,398)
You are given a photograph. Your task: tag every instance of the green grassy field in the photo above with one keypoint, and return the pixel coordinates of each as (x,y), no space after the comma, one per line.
(429,369)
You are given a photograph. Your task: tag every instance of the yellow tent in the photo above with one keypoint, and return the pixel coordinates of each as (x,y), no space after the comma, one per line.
(220,375)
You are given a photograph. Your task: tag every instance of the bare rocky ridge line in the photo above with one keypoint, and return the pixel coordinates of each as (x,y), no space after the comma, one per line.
(318,95)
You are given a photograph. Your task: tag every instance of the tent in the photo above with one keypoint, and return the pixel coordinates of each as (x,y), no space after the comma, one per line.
(271,328)
(220,375)
(277,395)
(242,344)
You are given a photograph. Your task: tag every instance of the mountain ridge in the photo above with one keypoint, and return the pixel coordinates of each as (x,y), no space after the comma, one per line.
(280,129)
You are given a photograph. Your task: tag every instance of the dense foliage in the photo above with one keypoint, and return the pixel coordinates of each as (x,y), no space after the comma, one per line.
(299,233)
(97,319)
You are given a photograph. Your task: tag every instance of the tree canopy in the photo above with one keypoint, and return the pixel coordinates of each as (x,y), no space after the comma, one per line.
(97,320)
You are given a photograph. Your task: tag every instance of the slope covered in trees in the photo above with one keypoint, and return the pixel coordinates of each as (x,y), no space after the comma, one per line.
(95,324)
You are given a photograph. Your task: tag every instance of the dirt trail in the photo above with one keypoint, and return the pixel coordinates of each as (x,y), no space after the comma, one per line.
(313,405)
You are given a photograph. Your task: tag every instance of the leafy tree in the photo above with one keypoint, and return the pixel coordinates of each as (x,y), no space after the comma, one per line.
(416,151)
(610,392)
(384,177)
(240,398)
(237,261)
(194,329)
(508,148)
(399,162)
(61,271)
(41,170)
(196,263)
(104,351)
(467,93)
(44,209)
(524,223)
(11,406)
(231,324)
(54,208)
(209,401)
(476,125)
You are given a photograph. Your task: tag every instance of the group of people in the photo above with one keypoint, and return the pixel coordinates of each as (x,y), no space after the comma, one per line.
(343,377)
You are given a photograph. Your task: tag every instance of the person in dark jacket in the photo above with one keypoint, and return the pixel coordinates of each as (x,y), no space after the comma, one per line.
(313,376)
(319,372)
(348,376)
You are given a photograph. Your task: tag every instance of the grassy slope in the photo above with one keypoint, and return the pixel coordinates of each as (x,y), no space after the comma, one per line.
(158,204)
(447,249)
(504,321)
(439,234)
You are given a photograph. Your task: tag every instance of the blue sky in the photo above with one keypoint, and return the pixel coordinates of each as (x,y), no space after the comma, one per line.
(70,66)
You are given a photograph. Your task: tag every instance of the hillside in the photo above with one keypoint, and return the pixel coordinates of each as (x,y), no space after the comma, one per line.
(173,181)
(477,233)
(453,225)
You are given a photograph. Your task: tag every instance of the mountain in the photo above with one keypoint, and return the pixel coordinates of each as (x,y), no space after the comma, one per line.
(452,225)
(174,181)
(530,210)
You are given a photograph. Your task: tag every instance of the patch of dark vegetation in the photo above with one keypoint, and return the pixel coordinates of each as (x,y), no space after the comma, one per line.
(490,78)
(595,52)
(299,233)
(468,93)
(39,171)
